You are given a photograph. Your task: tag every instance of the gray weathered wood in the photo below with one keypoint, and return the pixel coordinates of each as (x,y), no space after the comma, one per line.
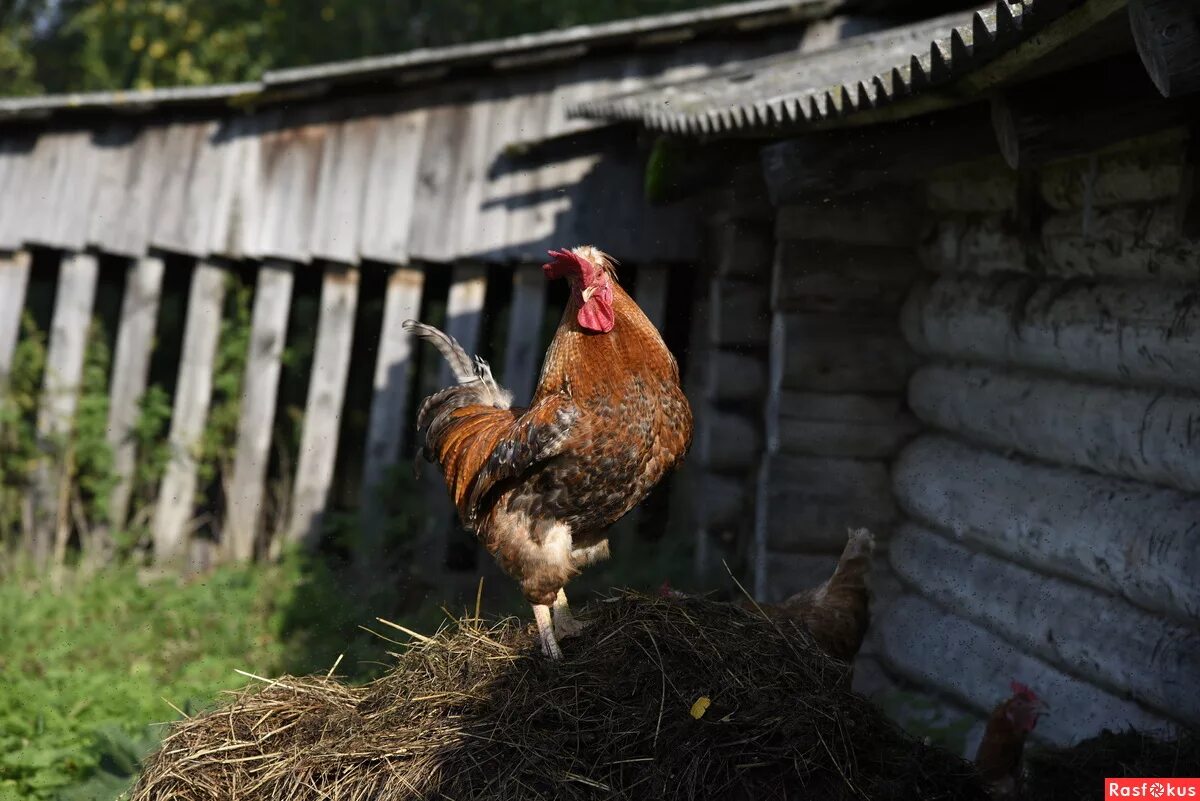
(464,312)
(843,425)
(1079,111)
(728,442)
(291,156)
(842,278)
(14,277)
(1167,35)
(464,316)
(744,249)
(69,330)
(1124,537)
(651,293)
(340,192)
(1125,432)
(523,350)
(1085,633)
(893,220)
(390,188)
(1120,242)
(256,415)
(323,411)
(1148,171)
(1134,334)
(739,314)
(817,166)
(390,421)
(193,394)
(988,185)
(730,376)
(130,176)
(839,353)
(937,649)
(811,501)
(131,371)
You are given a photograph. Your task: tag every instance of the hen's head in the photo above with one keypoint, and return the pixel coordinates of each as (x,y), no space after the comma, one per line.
(590,273)
(1023,708)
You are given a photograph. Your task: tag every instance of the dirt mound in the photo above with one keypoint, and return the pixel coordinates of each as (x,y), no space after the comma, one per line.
(476,712)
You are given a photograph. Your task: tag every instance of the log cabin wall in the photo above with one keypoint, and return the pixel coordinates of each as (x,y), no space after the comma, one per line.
(1051,503)
(1014,406)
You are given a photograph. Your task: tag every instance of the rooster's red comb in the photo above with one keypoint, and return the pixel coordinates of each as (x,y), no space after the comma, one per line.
(564,261)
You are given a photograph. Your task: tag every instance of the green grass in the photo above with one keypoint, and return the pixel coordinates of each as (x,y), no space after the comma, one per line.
(89,668)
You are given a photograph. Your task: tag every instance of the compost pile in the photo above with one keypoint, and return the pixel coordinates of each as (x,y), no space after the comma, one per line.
(476,712)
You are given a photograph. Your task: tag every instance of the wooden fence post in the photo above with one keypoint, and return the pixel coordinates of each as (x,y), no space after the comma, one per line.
(389,402)
(60,394)
(323,411)
(193,394)
(256,418)
(131,370)
(14,277)
(523,349)
(464,315)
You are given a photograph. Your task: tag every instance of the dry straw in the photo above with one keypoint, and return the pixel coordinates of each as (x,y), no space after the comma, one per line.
(475,712)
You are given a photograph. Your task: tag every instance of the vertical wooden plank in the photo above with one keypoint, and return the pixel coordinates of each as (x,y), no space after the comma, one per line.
(323,410)
(131,370)
(389,419)
(464,311)
(523,353)
(256,419)
(73,303)
(193,394)
(652,293)
(14,278)
(464,314)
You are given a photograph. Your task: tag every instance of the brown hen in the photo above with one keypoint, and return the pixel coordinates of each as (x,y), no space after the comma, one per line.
(838,611)
(1001,750)
(539,486)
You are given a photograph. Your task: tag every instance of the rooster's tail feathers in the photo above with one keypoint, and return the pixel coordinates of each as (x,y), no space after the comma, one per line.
(473,374)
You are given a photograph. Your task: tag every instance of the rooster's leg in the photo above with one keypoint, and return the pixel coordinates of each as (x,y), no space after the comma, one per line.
(565,624)
(541,613)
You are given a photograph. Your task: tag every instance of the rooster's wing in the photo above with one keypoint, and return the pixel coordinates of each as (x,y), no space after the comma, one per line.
(479,445)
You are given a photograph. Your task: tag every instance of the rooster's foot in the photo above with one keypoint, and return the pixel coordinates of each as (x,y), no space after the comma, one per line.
(565,623)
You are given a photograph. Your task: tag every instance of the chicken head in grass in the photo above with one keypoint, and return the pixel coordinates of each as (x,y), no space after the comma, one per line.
(1001,751)
(540,486)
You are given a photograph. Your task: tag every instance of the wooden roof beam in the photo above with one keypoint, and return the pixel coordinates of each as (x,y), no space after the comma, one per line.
(1167,35)
(1081,110)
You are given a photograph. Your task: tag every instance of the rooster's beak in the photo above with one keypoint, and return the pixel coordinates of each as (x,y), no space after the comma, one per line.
(588,292)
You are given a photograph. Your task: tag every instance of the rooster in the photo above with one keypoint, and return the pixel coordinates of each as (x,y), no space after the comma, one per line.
(540,486)
(838,611)
(999,756)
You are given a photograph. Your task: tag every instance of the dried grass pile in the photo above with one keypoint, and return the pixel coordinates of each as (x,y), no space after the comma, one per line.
(477,713)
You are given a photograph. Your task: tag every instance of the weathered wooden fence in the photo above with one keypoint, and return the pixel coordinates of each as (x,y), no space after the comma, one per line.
(475,299)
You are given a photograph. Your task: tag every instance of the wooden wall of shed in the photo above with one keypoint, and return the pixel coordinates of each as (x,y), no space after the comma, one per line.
(1013,407)
(1051,503)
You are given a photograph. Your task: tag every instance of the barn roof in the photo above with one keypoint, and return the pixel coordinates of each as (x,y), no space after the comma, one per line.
(396,171)
(891,74)
(546,47)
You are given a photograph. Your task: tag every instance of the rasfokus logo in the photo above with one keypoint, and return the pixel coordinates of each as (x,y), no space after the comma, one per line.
(1151,788)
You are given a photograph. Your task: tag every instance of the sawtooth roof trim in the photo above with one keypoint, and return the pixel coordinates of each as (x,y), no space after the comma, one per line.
(432,63)
(862,74)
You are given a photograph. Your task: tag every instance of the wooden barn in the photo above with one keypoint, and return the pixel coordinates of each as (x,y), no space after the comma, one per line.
(346,198)
(975,239)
